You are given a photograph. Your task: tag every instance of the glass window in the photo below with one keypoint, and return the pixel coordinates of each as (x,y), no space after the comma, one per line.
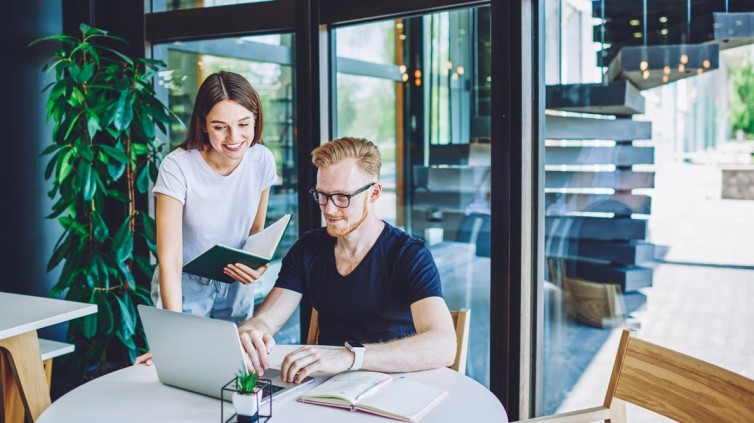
(351,40)
(648,199)
(359,97)
(266,61)
(423,96)
(166,5)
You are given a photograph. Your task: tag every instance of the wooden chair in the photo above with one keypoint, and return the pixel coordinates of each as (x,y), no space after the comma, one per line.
(669,383)
(594,303)
(461,320)
(12,407)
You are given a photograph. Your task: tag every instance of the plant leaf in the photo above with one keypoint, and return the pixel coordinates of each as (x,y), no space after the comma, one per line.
(92,124)
(147,125)
(65,167)
(123,112)
(64,38)
(127,319)
(105,311)
(139,148)
(122,245)
(85,179)
(100,231)
(116,152)
(119,54)
(86,152)
(70,125)
(49,149)
(86,72)
(115,169)
(89,326)
(142,180)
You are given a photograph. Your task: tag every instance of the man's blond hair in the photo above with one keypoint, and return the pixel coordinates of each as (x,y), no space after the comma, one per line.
(364,151)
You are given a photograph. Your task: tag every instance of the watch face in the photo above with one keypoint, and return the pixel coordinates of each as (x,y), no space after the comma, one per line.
(354,344)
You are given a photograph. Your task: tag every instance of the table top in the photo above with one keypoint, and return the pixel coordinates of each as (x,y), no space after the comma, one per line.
(24,313)
(135,394)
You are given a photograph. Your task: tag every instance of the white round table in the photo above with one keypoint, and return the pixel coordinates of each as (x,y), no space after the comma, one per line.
(135,394)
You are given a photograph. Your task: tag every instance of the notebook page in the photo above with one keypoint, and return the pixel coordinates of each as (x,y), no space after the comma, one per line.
(404,399)
(265,242)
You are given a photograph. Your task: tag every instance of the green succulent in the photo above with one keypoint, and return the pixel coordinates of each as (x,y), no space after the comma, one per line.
(246,382)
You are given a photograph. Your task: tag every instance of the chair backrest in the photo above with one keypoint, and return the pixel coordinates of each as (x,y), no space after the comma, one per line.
(675,385)
(461,320)
(594,303)
(669,383)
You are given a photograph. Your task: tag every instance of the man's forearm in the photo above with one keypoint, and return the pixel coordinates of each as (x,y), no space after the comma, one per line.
(428,350)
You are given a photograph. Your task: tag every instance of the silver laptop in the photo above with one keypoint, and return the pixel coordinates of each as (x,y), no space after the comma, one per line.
(200,354)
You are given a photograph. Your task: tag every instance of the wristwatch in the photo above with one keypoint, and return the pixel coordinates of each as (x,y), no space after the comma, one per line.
(357,348)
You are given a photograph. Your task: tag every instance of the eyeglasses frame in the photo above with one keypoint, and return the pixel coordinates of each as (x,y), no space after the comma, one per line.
(328,197)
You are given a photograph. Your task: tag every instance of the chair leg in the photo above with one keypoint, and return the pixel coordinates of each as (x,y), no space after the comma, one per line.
(13,407)
(24,377)
(617,411)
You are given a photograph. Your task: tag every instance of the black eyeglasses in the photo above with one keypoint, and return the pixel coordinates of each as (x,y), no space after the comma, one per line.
(340,200)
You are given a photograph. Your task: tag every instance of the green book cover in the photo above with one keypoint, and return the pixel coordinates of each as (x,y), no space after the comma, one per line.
(258,250)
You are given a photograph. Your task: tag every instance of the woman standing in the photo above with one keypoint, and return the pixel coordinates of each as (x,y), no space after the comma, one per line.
(213,189)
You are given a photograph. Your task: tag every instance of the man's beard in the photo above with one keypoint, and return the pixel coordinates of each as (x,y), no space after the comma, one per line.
(334,232)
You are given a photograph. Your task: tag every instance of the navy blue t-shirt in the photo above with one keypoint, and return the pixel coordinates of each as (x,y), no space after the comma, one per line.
(373,302)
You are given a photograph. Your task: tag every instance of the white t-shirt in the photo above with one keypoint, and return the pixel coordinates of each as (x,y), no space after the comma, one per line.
(217,209)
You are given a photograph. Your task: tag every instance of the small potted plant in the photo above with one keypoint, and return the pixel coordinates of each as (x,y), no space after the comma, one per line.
(247,397)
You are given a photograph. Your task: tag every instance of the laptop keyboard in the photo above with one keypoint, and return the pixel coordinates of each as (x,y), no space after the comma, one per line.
(271,389)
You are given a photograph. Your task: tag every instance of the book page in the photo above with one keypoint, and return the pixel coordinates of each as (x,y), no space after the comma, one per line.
(265,242)
(347,386)
(404,399)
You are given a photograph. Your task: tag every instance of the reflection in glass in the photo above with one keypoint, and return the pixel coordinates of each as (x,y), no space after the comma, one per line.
(634,168)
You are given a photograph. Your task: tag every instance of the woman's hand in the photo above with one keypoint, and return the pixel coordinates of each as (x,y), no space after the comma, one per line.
(244,274)
(145,358)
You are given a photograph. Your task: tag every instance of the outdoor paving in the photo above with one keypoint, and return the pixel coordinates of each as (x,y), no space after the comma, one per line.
(701,310)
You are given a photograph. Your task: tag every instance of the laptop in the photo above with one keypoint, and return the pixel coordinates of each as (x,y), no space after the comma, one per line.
(201,354)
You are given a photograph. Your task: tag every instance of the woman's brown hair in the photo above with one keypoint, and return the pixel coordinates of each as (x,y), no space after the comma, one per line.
(216,88)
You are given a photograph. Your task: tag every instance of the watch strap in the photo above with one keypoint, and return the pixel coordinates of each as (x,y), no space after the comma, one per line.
(358,356)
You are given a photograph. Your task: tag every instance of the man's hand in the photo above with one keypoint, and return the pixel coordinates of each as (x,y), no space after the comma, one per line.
(309,359)
(145,358)
(258,346)
(244,274)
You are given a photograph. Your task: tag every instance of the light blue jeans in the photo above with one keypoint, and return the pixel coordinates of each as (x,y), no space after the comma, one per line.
(209,298)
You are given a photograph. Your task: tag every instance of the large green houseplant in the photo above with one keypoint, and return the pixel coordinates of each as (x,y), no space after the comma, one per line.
(104,151)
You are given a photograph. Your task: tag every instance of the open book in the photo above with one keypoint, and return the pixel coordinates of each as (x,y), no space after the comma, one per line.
(256,252)
(378,393)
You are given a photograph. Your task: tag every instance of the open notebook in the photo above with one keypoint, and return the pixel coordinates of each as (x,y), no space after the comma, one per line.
(378,393)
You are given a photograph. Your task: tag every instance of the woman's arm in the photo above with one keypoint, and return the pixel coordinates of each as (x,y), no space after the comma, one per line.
(169,217)
(243,273)
(259,219)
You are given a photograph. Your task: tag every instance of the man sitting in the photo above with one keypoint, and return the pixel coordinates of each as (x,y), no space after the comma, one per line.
(370,282)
